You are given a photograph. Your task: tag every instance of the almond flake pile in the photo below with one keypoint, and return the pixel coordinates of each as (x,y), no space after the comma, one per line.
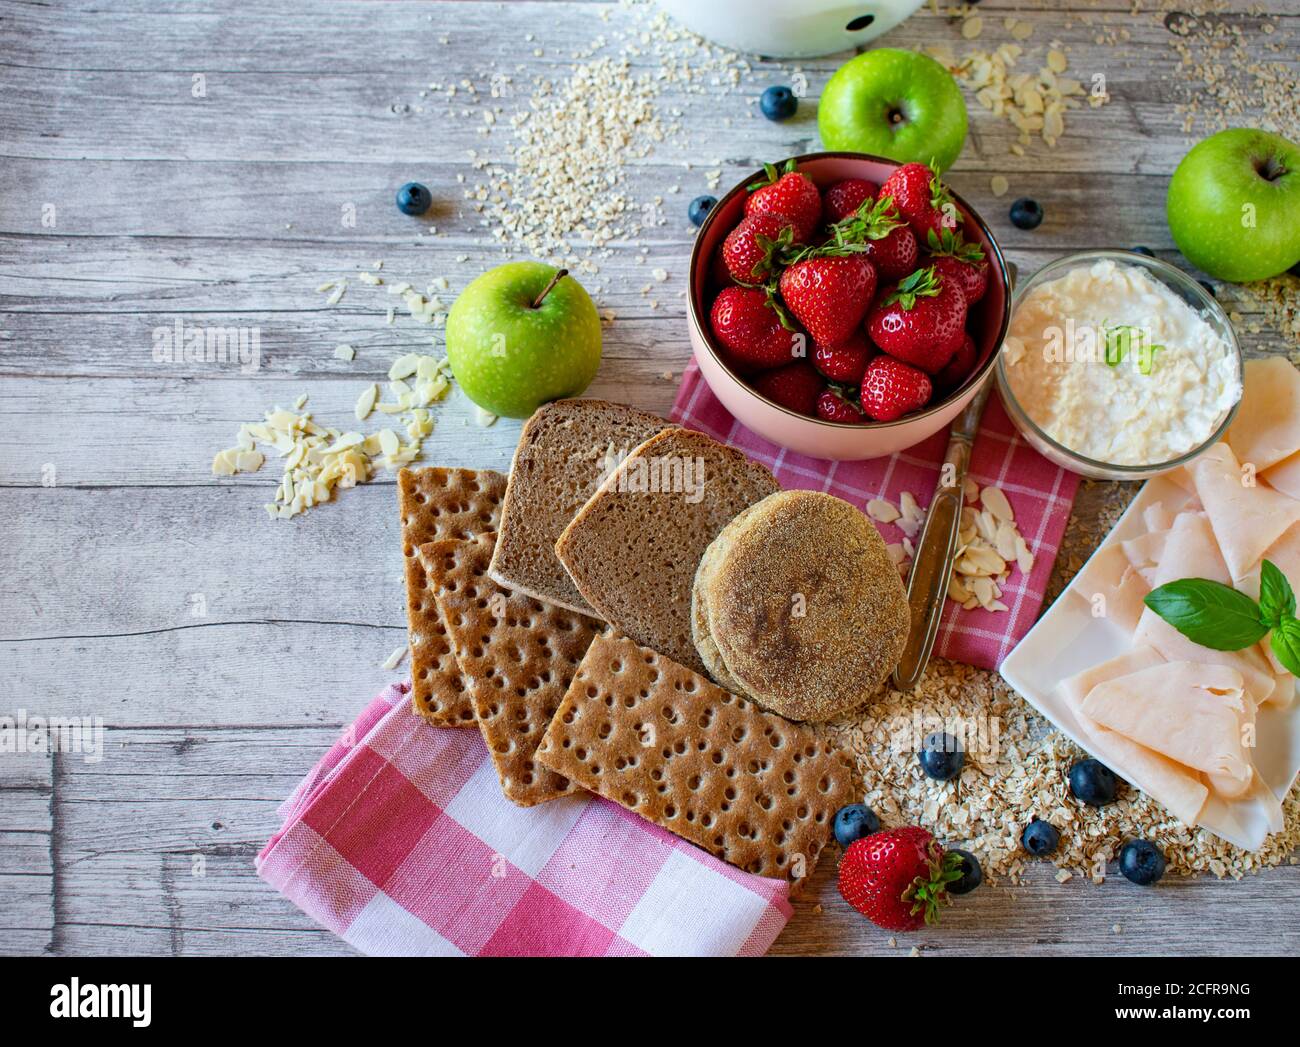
(318,460)
(988,544)
(1015,770)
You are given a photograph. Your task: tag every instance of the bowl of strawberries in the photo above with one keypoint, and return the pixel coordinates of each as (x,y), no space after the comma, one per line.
(846,306)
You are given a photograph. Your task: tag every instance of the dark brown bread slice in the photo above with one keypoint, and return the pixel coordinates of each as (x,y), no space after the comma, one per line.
(633,552)
(753,789)
(439,503)
(559,463)
(518,655)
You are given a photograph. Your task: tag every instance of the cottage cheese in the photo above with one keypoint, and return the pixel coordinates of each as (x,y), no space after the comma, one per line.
(1111,363)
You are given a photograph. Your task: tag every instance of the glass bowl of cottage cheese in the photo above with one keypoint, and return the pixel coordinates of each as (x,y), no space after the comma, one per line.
(1118,366)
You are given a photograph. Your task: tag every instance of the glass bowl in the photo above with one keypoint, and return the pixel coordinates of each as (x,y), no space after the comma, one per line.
(1184,287)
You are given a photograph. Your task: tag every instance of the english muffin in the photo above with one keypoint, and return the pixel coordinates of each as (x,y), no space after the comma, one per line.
(798,606)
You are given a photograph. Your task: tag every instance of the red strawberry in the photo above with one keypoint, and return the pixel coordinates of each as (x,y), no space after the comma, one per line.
(891,388)
(790,194)
(894,255)
(746,322)
(921,199)
(795,386)
(829,294)
(877,232)
(749,251)
(922,321)
(897,878)
(958,367)
(844,198)
(964,262)
(835,408)
(844,362)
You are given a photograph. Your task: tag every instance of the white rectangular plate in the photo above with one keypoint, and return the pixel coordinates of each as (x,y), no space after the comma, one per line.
(1068,639)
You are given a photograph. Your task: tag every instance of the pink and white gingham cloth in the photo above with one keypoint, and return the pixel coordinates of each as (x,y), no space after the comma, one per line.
(400,842)
(1040,493)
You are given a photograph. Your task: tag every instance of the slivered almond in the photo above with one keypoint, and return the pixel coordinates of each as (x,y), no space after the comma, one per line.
(882,510)
(995,501)
(366,402)
(1006,541)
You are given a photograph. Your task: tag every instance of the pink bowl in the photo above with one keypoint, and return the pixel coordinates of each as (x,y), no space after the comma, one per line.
(812,436)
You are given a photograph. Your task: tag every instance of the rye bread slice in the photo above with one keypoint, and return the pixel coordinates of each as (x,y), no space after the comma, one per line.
(562,457)
(634,547)
(438,503)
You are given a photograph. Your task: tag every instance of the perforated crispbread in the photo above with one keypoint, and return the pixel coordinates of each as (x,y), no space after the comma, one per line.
(517,654)
(634,547)
(437,503)
(748,786)
(560,461)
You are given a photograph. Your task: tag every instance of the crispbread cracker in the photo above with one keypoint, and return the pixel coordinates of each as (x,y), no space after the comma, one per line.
(748,786)
(518,655)
(559,462)
(439,503)
(633,548)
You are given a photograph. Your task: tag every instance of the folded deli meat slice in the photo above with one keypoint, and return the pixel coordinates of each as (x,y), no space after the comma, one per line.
(1267,427)
(1191,552)
(1285,476)
(1146,551)
(1193,713)
(1168,783)
(1247,516)
(1113,587)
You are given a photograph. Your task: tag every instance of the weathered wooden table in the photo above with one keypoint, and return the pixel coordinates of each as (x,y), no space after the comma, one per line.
(197,163)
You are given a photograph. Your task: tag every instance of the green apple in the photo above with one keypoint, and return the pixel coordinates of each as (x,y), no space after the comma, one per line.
(1234,205)
(523,334)
(899,104)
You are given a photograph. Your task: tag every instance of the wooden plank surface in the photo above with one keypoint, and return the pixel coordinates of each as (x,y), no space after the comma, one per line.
(223,651)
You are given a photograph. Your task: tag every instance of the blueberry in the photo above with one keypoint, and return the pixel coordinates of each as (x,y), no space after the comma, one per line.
(1026,213)
(1295,269)
(1141,862)
(778,103)
(1040,838)
(1093,782)
(1143,250)
(941,757)
(971,873)
(1209,288)
(414,198)
(854,822)
(699,209)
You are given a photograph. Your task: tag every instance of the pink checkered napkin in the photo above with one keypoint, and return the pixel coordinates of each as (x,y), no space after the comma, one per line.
(400,842)
(1040,493)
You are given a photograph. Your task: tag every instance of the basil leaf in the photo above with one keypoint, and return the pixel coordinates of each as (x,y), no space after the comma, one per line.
(1209,613)
(1285,642)
(1276,599)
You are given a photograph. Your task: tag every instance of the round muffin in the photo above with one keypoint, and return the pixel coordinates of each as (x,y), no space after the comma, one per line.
(797,605)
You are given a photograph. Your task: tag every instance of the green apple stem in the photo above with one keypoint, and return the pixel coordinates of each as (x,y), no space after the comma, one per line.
(560,274)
